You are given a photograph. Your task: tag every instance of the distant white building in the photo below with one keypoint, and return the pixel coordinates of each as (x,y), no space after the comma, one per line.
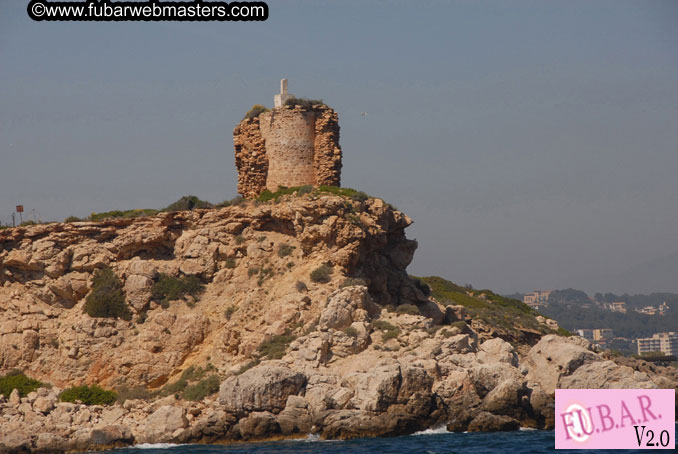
(652,310)
(618,306)
(596,334)
(537,298)
(666,343)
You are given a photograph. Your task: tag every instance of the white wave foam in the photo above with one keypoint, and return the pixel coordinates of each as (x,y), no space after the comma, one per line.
(156,445)
(527,428)
(433,431)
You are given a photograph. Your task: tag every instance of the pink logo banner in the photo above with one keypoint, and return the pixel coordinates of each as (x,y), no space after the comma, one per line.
(615,418)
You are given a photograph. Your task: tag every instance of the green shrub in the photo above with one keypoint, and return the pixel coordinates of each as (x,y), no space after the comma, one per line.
(248,366)
(255,111)
(141,318)
(230,310)
(70,219)
(303,102)
(275,347)
(193,373)
(390,331)
(122,214)
(16,379)
(351,281)
(187,203)
(169,288)
(393,334)
(125,393)
(239,239)
(267,195)
(284,250)
(459,324)
(202,389)
(301,286)
(230,262)
(264,274)
(351,331)
(352,194)
(322,274)
(409,309)
(252,271)
(173,388)
(237,200)
(563,332)
(306,189)
(88,395)
(107,299)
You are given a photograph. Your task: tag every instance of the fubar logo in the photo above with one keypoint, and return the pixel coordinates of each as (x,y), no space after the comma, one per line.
(615,418)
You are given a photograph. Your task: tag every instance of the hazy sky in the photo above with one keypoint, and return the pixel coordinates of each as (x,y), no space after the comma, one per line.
(534,143)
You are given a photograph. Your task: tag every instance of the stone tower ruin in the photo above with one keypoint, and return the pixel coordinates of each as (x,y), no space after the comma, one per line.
(294,144)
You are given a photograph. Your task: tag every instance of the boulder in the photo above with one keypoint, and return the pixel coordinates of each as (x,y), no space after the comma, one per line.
(263,388)
(606,375)
(347,305)
(44,404)
(49,442)
(487,422)
(112,435)
(554,357)
(505,397)
(163,422)
(258,425)
(498,350)
(14,397)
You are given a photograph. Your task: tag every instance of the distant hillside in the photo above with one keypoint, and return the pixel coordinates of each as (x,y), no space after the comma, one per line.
(574,310)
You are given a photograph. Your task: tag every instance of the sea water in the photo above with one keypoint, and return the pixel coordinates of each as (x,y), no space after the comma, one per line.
(432,441)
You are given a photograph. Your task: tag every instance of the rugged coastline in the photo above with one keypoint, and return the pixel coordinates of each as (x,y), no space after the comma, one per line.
(364,350)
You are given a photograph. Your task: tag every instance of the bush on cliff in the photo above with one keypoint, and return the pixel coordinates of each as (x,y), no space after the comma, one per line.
(284,250)
(303,102)
(322,274)
(202,389)
(275,347)
(409,309)
(122,214)
(255,111)
(169,288)
(17,380)
(88,395)
(188,203)
(390,331)
(107,299)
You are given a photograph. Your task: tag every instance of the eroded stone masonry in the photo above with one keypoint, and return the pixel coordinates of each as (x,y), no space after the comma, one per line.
(287,146)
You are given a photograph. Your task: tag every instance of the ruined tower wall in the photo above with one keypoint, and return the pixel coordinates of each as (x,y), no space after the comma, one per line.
(289,135)
(250,157)
(327,158)
(288,146)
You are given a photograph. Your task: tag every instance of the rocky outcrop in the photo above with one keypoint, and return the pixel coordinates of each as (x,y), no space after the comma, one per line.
(46,273)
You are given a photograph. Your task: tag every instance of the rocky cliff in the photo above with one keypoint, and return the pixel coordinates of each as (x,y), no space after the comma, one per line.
(308,319)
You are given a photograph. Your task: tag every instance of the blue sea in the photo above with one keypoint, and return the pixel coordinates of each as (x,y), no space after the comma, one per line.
(427,442)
